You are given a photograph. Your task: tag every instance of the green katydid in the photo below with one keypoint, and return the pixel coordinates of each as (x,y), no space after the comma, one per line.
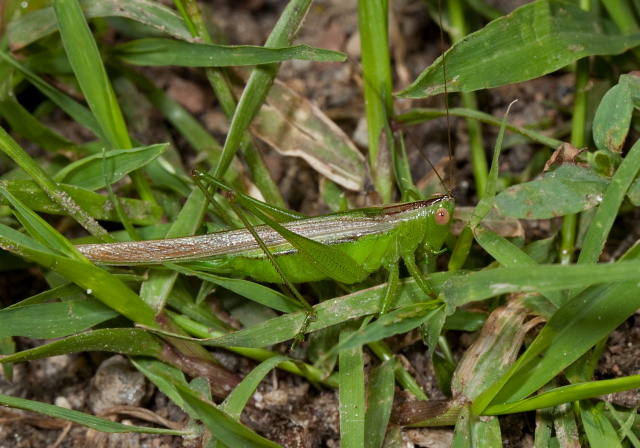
(345,246)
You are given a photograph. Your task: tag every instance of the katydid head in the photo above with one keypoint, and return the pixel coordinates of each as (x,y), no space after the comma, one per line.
(438,222)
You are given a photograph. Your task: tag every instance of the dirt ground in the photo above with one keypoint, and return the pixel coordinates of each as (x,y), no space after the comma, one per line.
(289,411)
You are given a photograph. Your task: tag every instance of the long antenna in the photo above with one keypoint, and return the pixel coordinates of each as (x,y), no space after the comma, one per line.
(446,96)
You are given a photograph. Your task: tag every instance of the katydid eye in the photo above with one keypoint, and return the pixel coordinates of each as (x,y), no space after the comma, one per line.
(442,216)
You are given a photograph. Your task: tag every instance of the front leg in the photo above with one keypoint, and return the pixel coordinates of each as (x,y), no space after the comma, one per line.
(416,273)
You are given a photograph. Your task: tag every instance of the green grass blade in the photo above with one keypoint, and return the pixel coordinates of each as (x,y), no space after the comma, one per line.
(566,394)
(536,39)
(85,59)
(508,255)
(164,376)
(563,340)
(88,173)
(99,424)
(237,400)
(161,52)
(38,24)
(51,188)
(53,320)
(482,285)
(95,205)
(379,403)
(41,230)
(127,341)
(472,431)
(486,202)
(260,81)
(219,81)
(58,292)
(352,396)
(253,291)
(600,433)
(330,312)
(608,211)
(373,25)
(308,371)
(398,321)
(459,29)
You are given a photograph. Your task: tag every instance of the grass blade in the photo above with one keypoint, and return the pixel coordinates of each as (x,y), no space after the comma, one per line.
(527,39)
(99,424)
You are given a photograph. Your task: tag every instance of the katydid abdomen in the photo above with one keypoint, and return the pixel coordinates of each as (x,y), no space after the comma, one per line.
(371,238)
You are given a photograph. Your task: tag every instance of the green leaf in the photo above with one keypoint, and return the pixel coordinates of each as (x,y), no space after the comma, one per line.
(352,396)
(260,81)
(90,421)
(569,189)
(41,230)
(606,214)
(398,321)
(379,403)
(613,116)
(566,394)
(155,52)
(96,205)
(53,320)
(127,341)
(511,256)
(240,396)
(31,27)
(251,290)
(536,39)
(600,432)
(564,339)
(51,188)
(482,285)
(88,173)
(330,312)
(83,54)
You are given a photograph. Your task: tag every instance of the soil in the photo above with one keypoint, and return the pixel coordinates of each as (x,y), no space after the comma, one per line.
(287,409)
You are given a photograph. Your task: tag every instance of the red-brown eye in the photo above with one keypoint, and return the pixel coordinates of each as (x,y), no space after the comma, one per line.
(442,216)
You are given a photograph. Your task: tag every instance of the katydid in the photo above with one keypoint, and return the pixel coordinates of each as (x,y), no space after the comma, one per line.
(345,246)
